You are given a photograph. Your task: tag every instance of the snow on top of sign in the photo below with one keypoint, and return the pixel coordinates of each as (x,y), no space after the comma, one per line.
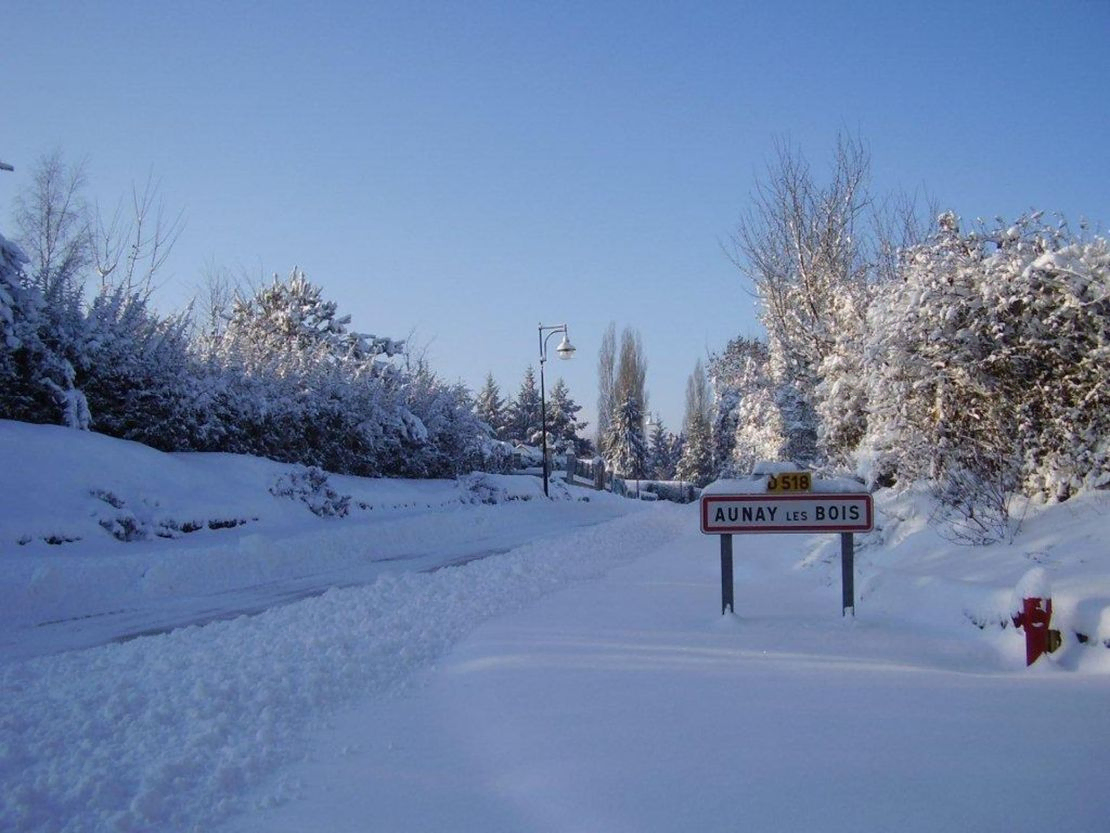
(756,482)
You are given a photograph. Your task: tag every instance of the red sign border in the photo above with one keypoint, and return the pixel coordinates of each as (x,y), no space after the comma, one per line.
(866,526)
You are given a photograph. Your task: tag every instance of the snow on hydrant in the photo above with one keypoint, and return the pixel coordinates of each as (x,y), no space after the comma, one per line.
(1031,610)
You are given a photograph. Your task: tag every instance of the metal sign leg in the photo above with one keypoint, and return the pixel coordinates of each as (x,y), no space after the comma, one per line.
(726,574)
(847,572)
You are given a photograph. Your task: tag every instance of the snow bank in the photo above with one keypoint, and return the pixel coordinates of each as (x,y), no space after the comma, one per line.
(79,486)
(906,570)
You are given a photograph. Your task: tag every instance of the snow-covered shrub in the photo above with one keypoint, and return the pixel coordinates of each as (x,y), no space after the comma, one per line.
(143,521)
(986,367)
(310,486)
(676,491)
(36,344)
(138,376)
(745,418)
(483,487)
(442,436)
(295,385)
(840,396)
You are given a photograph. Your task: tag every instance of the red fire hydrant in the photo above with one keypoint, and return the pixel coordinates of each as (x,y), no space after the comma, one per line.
(1035,615)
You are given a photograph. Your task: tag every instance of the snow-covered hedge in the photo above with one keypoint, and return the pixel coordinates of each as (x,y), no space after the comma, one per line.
(986,367)
(283,378)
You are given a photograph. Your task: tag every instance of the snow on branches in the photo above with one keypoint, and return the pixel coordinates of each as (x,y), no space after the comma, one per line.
(986,364)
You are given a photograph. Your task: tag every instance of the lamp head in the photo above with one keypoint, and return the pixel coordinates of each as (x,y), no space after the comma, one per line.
(565,348)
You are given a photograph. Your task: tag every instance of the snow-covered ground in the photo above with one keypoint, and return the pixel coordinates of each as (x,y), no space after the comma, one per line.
(567,669)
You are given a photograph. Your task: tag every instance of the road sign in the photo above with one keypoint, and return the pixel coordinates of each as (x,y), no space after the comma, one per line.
(724,514)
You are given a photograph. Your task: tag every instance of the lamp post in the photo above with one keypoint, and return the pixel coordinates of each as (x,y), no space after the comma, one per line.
(565,350)
(649,425)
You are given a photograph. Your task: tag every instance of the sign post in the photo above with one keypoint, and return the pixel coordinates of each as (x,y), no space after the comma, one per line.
(847,573)
(783,502)
(726,575)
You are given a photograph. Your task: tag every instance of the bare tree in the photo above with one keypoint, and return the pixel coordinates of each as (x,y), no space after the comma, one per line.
(802,248)
(899,222)
(65,237)
(130,252)
(214,302)
(814,254)
(54,227)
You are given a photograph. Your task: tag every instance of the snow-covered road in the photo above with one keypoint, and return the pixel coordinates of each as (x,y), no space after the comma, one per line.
(169,732)
(629,705)
(157,589)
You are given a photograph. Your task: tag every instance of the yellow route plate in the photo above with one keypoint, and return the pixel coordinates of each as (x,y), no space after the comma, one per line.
(790,481)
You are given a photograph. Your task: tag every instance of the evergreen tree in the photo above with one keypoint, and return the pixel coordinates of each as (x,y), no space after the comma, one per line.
(524,412)
(661,457)
(627,450)
(628,386)
(759,432)
(20,348)
(489,407)
(563,424)
(449,442)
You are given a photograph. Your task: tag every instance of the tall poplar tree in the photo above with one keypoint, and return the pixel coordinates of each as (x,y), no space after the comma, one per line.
(606,379)
(696,464)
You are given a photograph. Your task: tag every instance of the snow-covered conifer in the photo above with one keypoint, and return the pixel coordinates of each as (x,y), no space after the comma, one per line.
(626,448)
(489,407)
(661,452)
(563,425)
(524,412)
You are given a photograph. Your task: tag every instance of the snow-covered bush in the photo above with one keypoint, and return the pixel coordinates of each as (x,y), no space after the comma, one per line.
(986,367)
(483,487)
(445,436)
(38,349)
(137,374)
(310,486)
(288,381)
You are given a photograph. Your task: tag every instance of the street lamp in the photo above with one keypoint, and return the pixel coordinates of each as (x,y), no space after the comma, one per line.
(649,426)
(565,350)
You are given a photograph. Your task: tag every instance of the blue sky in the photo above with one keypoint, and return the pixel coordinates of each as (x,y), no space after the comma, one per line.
(466,171)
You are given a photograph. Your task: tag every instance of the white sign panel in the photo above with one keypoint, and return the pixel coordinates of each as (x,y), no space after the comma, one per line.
(726,514)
